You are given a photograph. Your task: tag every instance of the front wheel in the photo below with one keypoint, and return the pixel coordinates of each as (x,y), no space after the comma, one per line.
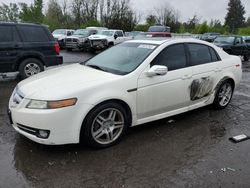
(30,67)
(105,125)
(223,95)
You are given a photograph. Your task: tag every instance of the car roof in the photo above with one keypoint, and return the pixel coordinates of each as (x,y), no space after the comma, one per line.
(21,23)
(162,40)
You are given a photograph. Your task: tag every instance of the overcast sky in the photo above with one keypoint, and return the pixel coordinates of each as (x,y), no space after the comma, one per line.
(205,9)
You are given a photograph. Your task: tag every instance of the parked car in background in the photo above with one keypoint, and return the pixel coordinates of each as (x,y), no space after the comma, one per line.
(27,48)
(130,84)
(106,38)
(133,34)
(234,45)
(246,39)
(209,37)
(158,34)
(79,38)
(159,28)
(60,36)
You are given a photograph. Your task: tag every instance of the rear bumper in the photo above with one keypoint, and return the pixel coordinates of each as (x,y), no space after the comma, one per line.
(53,60)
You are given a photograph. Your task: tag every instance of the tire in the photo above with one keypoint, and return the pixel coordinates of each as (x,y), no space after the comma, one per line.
(110,45)
(223,95)
(246,58)
(92,50)
(30,67)
(104,126)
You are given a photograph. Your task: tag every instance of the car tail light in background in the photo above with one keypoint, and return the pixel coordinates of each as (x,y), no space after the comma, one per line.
(57,48)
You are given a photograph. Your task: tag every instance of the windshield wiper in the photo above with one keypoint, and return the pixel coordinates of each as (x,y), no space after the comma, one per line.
(96,67)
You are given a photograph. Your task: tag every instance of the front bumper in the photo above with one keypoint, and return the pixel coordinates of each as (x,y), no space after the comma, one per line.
(63,125)
(98,44)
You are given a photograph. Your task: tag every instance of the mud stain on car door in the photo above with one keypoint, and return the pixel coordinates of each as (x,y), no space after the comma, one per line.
(201,88)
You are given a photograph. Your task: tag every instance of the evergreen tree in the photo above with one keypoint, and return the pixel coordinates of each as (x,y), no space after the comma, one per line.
(54,15)
(9,12)
(32,13)
(235,16)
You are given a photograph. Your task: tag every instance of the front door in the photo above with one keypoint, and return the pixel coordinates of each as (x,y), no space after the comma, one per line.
(167,93)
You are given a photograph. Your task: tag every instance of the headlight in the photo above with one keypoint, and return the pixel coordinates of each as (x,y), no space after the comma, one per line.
(38,104)
(82,40)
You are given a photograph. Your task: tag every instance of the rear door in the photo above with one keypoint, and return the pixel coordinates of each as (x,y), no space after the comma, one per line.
(9,46)
(207,70)
(36,39)
(239,47)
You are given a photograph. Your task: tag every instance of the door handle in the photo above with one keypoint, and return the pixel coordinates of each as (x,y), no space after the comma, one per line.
(217,70)
(185,77)
(17,46)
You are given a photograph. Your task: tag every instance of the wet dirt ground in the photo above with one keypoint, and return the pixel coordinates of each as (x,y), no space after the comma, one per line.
(188,150)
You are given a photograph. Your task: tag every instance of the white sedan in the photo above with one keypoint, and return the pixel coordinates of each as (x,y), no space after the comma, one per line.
(127,85)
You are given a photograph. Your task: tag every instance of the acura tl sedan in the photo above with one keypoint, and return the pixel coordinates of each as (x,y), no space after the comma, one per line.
(133,83)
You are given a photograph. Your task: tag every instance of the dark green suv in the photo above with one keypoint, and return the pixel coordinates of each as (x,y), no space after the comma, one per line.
(27,48)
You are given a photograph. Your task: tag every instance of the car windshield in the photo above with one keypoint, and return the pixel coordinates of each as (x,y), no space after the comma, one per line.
(224,40)
(106,33)
(60,31)
(121,59)
(83,32)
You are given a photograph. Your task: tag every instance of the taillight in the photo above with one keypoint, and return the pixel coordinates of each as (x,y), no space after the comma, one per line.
(57,48)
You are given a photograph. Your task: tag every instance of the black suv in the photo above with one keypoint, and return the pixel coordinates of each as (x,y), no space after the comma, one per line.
(27,48)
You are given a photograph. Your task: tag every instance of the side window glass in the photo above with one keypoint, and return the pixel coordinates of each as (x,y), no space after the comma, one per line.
(6,34)
(119,33)
(199,54)
(34,34)
(238,41)
(174,57)
(214,55)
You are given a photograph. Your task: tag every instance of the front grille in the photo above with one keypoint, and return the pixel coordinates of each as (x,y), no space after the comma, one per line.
(98,42)
(75,40)
(29,130)
(68,40)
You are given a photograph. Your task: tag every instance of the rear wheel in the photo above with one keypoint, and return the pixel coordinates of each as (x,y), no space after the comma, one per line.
(223,95)
(105,125)
(30,67)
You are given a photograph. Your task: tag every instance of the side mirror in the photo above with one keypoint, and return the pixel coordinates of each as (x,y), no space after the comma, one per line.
(157,70)
(115,36)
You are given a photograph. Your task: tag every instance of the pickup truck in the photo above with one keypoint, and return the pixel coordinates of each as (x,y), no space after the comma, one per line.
(105,38)
(234,45)
(60,36)
(78,40)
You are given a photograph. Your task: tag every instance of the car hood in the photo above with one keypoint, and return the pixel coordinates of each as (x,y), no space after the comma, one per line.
(63,82)
(76,37)
(93,37)
(58,35)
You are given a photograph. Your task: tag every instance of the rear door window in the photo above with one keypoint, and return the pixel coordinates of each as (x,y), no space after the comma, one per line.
(33,33)
(214,55)
(199,54)
(174,57)
(6,34)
